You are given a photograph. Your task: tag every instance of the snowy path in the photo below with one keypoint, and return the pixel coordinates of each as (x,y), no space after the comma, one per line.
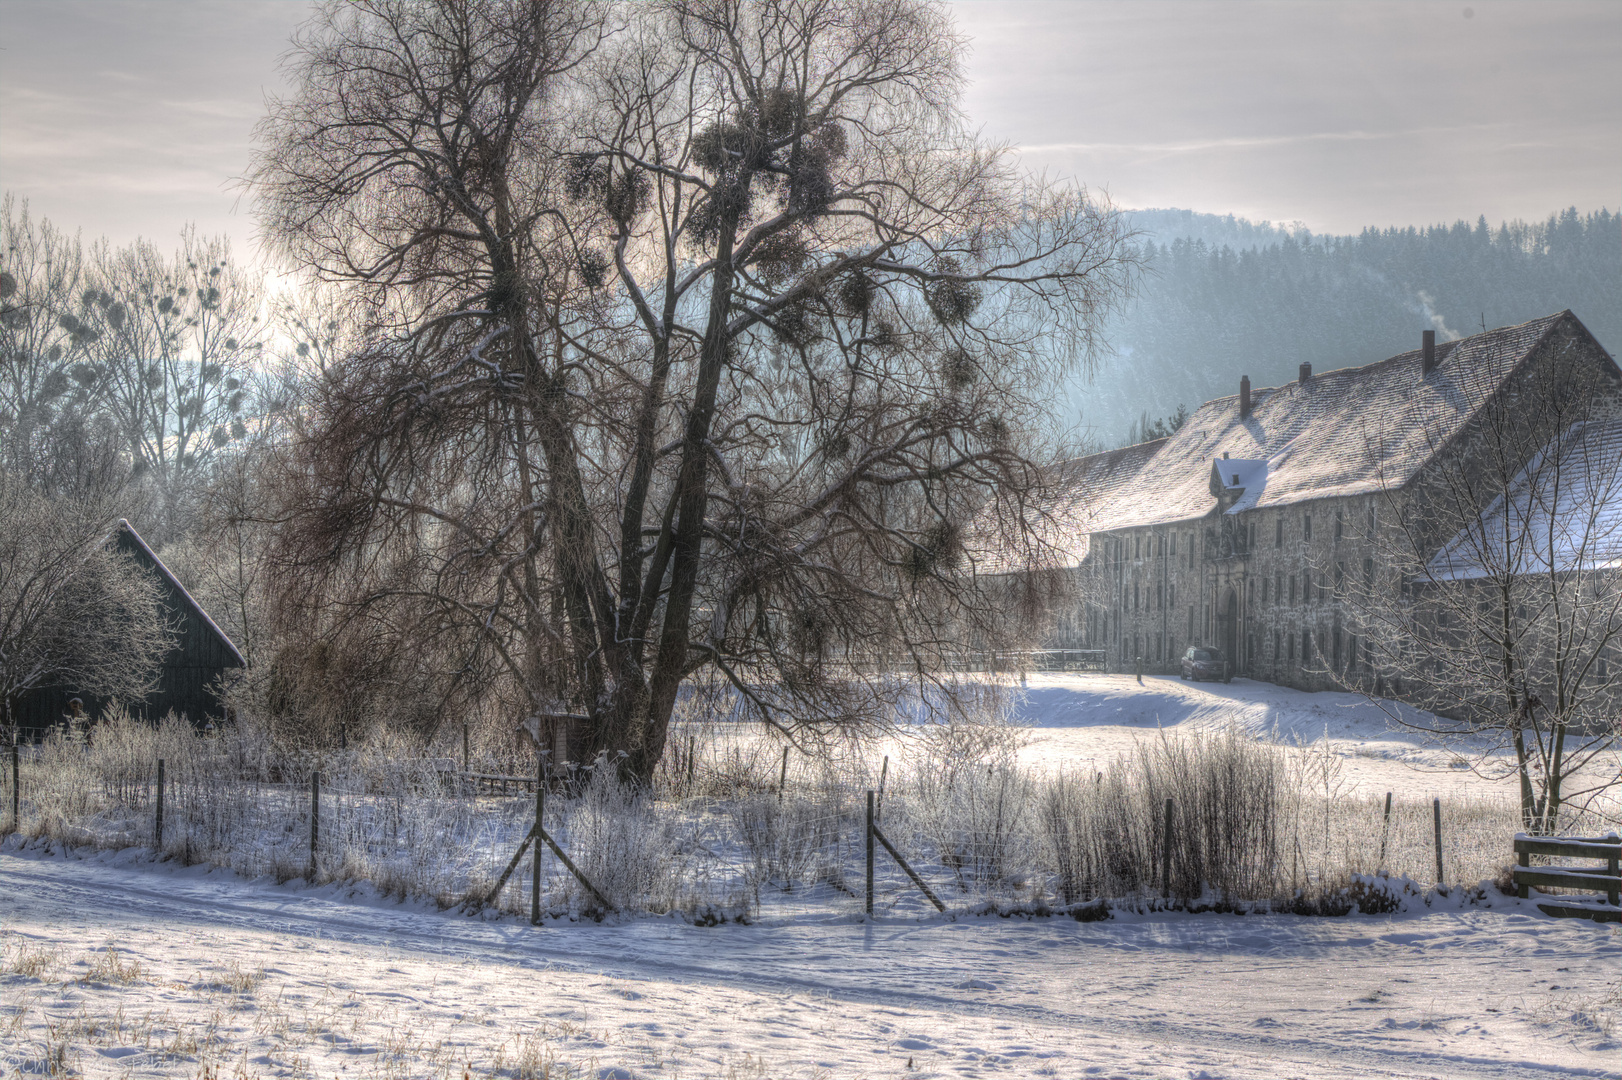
(361,987)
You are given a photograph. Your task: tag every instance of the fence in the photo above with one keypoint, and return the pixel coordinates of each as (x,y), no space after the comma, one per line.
(734,828)
(1567,876)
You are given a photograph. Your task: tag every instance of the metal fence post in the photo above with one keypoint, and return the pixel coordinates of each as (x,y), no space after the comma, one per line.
(1436,810)
(1385,829)
(535,868)
(1165,854)
(870,852)
(315,819)
(157,824)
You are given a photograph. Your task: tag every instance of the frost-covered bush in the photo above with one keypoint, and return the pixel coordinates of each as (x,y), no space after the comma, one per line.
(1105,830)
(791,841)
(621,842)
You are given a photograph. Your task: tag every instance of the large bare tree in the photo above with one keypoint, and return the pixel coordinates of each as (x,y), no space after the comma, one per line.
(702,330)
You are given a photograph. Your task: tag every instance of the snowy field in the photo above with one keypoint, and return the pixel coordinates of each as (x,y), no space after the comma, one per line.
(113,965)
(1089,719)
(209,975)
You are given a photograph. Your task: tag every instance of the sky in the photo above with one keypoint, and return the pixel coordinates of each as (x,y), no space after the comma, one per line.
(128,118)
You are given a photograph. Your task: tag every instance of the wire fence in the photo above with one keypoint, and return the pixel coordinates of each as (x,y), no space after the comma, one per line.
(735,828)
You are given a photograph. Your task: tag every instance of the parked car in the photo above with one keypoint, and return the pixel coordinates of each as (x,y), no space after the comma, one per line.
(1202,662)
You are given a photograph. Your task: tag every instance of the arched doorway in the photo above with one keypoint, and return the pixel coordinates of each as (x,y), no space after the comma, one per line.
(1228,630)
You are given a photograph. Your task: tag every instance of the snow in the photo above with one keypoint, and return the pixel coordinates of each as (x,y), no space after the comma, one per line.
(1088,719)
(253,979)
(1564,509)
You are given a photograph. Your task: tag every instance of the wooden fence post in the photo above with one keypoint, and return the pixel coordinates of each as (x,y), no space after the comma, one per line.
(157,824)
(870,852)
(535,867)
(884,774)
(1385,829)
(1436,810)
(782,779)
(16,786)
(315,819)
(1165,855)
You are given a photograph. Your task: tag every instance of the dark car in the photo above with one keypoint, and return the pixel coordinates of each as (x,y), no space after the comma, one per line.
(1200,662)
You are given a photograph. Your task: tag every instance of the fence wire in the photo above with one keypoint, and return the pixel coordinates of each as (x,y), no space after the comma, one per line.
(726,831)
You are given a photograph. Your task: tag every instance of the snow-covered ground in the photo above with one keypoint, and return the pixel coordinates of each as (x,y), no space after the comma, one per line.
(1089,719)
(214,976)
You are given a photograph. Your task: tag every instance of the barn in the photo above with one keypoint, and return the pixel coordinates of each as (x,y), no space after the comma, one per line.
(192,674)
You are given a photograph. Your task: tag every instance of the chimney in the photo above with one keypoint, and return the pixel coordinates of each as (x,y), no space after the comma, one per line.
(1306,372)
(1427,348)
(1244,396)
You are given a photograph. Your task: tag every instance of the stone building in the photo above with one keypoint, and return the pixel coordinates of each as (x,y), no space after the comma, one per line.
(1245,529)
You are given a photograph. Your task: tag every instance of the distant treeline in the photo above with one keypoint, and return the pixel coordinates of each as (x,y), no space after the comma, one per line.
(1257,300)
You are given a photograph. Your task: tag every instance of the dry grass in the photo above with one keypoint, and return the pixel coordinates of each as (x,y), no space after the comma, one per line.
(1252,821)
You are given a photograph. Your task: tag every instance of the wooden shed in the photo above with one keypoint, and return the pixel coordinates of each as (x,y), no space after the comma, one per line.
(193,671)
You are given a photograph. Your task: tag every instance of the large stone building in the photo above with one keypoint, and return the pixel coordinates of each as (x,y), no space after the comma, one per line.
(1245,529)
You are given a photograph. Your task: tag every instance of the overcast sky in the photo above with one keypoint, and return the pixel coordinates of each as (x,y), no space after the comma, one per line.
(131,118)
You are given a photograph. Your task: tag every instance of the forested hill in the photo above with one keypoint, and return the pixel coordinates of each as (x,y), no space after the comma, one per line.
(1226,297)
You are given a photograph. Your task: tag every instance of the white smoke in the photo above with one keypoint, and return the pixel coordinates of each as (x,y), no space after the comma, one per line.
(1427,308)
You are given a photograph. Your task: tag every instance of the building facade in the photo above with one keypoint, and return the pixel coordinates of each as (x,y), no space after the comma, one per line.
(1250,527)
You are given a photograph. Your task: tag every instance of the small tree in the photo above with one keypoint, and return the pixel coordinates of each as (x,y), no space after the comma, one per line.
(1494,596)
(72,609)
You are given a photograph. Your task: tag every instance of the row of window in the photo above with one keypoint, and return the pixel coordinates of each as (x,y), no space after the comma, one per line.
(1144,545)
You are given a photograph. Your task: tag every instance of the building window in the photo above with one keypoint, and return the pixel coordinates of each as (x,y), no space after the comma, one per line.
(1172,551)
(1191,622)
(1306,527)
(1334,651)
(1340,578)
(1134,596)
(1172,599)
(1340,527)
(1292,648)
(1278,647)
(1306,586)
(1137,547)
(1368,574)
(1278,532)
(1306,646)
(1292,588)
(1264,590)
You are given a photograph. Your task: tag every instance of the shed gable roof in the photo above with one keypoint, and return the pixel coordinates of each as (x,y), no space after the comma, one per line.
(130,540)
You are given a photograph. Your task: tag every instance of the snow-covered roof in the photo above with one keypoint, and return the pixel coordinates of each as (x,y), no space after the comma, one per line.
(1346,432)
(1563,512)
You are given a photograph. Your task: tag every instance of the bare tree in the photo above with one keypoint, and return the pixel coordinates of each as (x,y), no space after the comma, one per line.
(72,609)
(178,341)
(54,424)
(1494,596)
(711,330)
